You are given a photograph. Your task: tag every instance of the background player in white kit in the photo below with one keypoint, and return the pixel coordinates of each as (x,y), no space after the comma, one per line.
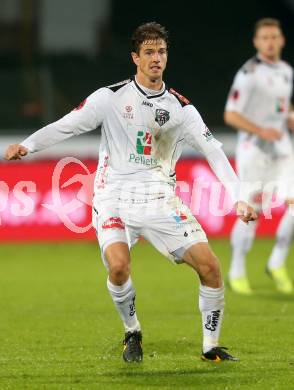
(144,126)
(259,107)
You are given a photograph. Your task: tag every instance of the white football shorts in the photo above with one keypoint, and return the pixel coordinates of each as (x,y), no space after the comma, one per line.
(263,175)
(165,222)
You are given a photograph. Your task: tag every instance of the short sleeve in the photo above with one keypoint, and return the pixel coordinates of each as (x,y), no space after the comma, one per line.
(196,133)
(240,91)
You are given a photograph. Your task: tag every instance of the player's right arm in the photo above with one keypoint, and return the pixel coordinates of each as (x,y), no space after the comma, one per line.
(240,93)
(88,116)
(199,137)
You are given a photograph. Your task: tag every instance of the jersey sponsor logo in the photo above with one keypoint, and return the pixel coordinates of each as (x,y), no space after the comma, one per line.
(212,320)
(144,103)
(207,134)
(161,116)
(134,158)
(128,112)
(113,223)
(143,143)
(143,149)
(81,105)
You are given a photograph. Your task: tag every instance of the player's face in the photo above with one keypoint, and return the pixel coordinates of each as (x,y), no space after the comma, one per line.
(151,60)
(269,42)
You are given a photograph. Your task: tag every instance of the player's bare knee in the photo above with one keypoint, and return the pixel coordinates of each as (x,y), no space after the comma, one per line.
(119,270)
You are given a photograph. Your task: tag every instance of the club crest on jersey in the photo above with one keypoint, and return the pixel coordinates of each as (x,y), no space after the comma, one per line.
(161,116)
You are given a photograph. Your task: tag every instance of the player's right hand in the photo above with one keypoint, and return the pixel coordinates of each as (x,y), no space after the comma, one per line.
(15,152)
(245,212)
(270,134)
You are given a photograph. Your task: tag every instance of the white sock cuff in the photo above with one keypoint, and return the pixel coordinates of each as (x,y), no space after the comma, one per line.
(211,298)
(119,289)
(121,293)
(210,292)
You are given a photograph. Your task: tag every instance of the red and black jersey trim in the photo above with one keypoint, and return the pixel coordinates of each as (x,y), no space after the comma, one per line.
(251,64)
(117,86)
(182,99)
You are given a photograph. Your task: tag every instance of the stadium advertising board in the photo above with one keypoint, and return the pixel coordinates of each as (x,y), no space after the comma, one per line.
(51,200)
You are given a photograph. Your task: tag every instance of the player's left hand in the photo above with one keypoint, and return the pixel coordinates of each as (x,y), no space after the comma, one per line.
(245,212)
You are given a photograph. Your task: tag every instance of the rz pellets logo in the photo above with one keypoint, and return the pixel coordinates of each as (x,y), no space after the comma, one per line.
(143,144)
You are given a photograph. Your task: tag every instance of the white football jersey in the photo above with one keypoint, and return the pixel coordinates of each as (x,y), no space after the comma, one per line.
(143,133)
(262,92)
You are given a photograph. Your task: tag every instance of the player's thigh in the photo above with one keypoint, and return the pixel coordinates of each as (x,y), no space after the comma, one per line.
(115,236)
(109,226)
(173,230)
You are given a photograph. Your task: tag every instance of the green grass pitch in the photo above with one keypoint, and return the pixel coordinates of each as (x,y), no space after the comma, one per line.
(59,329)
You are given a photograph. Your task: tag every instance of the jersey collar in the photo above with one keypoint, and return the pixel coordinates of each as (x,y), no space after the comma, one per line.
(260,59)
(148,96)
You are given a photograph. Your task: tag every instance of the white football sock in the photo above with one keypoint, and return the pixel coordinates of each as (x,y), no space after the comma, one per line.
(124,300)
(211,305)
(242,237)
(283,240)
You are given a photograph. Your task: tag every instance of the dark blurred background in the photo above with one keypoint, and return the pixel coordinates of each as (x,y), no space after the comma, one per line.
(55,52)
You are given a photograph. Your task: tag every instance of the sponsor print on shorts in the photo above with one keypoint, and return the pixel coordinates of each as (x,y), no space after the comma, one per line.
(179,217)
(185,222)
(113,223)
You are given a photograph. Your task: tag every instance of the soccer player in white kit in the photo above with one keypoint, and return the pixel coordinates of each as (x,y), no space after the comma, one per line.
(259,106)
(144,126)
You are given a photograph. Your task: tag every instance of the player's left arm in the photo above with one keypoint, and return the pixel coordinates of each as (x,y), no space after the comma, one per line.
(291,118)
(291,107)
(199,136)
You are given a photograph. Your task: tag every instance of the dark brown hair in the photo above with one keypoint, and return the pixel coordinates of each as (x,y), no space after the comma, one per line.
(266,22)
(151,31)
